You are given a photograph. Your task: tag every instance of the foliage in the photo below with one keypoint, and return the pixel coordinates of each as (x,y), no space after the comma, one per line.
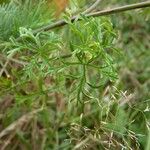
(72,88)
(29,14)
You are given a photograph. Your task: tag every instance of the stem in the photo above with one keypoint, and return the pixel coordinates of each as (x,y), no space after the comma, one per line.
(90,9)
(148,140)
(96,14)
(82,82)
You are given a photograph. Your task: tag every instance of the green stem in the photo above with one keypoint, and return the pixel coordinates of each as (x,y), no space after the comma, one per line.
(82,82)
(148,140)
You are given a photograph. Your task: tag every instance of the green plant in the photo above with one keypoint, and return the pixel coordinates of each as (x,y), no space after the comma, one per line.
(61,90)
(28,14)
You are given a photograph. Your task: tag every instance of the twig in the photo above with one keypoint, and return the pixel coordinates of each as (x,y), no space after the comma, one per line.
(14,60)
(4,70)
(6,63)
(7,142)
(126,99)
(4,67)
(16,142)
(120,9)
(90,9)
(96,14)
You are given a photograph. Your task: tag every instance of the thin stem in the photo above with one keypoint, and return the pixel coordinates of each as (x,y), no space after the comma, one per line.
(14,60)
(6,63)
(96,14)
(4,68)
(120,9)
(82,82)
(90,9)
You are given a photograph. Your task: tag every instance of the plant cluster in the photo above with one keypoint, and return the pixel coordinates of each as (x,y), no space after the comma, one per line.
(68,88)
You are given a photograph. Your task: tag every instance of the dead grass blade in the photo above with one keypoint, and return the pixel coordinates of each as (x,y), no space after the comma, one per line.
(19,122)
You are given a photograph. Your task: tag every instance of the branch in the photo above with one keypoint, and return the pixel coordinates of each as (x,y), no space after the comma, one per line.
(120,9)
(96,14)
(14,60)
(90,9)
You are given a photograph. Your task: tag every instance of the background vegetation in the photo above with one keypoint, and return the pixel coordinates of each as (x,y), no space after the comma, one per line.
(85,85)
